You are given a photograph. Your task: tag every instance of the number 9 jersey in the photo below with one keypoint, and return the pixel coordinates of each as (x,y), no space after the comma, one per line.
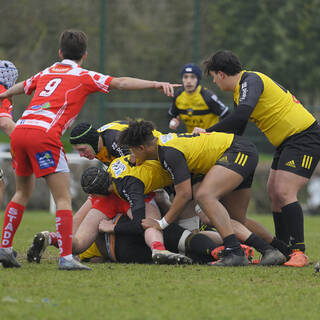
(60,92)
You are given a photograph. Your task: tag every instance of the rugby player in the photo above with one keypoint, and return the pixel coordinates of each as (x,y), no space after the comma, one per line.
(225,162)
(291,129)
(59,94)
(8,77)
(195,105)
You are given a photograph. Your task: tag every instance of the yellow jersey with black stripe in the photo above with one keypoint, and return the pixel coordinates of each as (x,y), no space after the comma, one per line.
(131,182)
(201,108)
(189,154)
(277,113)
(150,173)
(110,149)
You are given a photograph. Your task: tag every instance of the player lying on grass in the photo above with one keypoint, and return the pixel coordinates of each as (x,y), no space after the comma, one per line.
(290,128)
(227,163)
(108,204)
(130,248)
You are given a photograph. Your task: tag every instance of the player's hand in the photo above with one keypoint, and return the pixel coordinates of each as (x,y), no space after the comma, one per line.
(166,87)
(198,130)
(150,223)
(174,123)
(106,226)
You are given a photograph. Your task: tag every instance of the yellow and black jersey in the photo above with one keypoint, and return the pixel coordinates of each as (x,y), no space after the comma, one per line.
(189,154)
(277,113)
(131,182)
(111,150)
(201,108)
(109,133)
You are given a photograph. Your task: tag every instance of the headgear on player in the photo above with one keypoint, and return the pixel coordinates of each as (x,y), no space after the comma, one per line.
(95,181)
(8,74)
(85,133)
(192,68)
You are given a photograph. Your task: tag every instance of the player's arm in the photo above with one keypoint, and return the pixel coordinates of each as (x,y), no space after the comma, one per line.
(128,83)
(16,89)
(175,163)
(174,115)
(235,122)
(133,191)
(216,106)
(250,91)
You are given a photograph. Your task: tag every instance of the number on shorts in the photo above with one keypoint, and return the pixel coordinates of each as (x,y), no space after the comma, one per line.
(50,87)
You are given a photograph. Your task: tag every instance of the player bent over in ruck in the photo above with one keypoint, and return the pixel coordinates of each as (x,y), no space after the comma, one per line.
(227,163)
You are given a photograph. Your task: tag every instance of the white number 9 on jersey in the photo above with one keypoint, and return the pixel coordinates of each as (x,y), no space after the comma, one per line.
(50,87)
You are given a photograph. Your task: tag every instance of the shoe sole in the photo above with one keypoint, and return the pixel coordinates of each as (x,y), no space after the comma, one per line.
(159,258)
(36,250)
(73,269)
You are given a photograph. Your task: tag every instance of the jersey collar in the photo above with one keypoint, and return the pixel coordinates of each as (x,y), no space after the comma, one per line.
(69,62)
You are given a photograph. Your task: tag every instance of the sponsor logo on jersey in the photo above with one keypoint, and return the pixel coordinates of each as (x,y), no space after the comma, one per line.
(118,167)
(166,137)
(243,91)
(60,69)
(290,164)
(45,159)
(45,106)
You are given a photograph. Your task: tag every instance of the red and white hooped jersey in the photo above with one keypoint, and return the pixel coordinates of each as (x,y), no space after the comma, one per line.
(60,92)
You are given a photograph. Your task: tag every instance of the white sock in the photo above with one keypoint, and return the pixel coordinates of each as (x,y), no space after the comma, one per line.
(69,257)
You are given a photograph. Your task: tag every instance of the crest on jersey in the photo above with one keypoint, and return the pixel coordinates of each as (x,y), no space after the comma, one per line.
(166,137)
(118,167)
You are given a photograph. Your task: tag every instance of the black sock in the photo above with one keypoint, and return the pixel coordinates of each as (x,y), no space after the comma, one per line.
(281,246)
(232,243)
(294,218)
(199,247)
(258,243)
(281,226)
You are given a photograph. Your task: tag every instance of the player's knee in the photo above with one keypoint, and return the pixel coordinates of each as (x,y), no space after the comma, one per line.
(77,245)
(202,194)
(281,195)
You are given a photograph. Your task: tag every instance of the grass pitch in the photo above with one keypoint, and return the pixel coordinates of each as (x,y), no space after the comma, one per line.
(129,291)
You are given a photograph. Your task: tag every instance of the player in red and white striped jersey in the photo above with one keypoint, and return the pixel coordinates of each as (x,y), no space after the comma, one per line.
(59,94)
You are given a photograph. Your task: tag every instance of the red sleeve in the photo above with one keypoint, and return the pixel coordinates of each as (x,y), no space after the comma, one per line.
(96,81)
(31,83)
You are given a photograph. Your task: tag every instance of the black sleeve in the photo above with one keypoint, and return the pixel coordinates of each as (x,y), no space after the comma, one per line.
(174,111)
(132,189)
(235,122)
(215,105)
(175,163)
(251,88)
